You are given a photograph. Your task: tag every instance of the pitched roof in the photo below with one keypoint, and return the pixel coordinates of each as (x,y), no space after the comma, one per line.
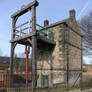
(4,59)
(7,59)
(4,65)
(70,22)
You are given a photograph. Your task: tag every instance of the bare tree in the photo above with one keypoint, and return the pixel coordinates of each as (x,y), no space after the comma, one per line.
(86,28)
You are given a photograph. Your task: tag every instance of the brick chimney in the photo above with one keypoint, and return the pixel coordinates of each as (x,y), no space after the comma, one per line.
(46,22)
(72,13)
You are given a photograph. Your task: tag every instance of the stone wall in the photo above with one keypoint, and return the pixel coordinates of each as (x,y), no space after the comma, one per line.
(51,62)
(73,51)
(67,50)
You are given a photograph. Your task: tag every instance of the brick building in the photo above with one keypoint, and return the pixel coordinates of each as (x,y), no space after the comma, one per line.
(4,74)
(19,78)
(62,63)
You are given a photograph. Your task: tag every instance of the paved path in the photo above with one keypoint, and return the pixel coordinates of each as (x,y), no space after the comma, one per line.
(76,90)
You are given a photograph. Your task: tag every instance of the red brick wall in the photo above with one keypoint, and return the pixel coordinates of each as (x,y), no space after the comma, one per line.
(4,75)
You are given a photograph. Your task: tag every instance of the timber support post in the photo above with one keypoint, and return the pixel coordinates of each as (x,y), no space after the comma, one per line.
(34,48)
(13,45)
(17,34)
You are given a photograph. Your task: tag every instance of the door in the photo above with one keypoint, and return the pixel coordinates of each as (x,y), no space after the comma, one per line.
(45,80)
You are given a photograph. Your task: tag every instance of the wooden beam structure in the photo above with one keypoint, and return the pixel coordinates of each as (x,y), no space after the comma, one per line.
(32,36)
(12,52)
(34,48)
(25,9)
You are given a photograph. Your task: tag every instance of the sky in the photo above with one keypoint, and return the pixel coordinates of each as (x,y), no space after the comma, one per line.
(53,10)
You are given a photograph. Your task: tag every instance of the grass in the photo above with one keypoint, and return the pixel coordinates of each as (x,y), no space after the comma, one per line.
(86,84)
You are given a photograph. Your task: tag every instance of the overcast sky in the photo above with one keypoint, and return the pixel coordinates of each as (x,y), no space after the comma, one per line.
(53,10)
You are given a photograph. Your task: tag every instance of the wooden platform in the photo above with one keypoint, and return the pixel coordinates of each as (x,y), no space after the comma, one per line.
(42,42)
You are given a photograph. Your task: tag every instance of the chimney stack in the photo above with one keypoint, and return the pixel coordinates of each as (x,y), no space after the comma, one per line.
(72,13)
(46,23)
